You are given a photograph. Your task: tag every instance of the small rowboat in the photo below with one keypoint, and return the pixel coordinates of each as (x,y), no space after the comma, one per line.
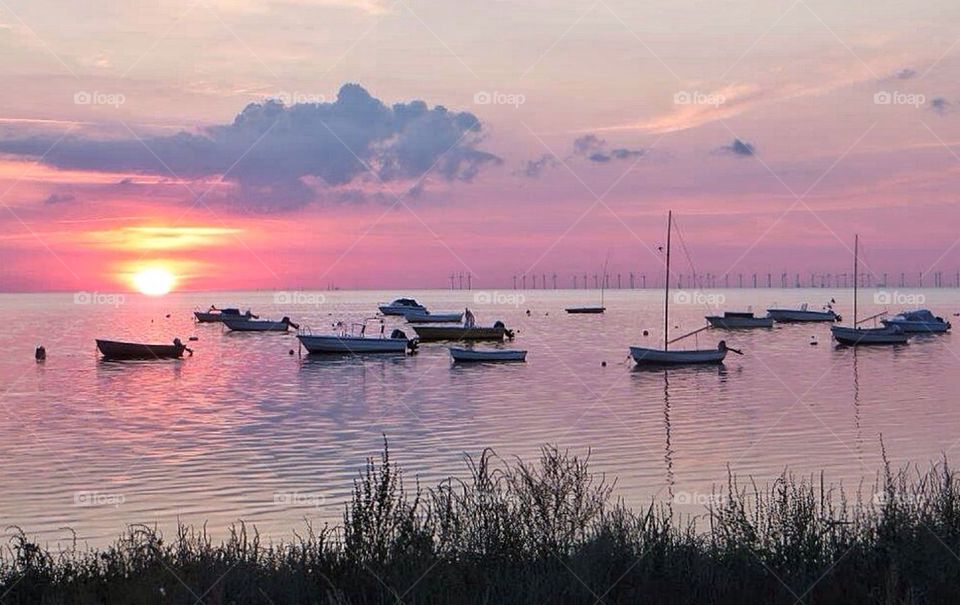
(215,315)
(434,333)
(584,310)
(660,357)
(498,355)
(802,315)
(869,336)
(116,350)
(426,317)
(251,325)
(733,320)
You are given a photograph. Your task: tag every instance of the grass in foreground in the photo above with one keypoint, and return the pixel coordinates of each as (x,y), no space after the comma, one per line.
(548,532)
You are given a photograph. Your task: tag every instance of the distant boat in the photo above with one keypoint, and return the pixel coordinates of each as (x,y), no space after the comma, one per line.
(735,320)
(593,310)
(342,342)
(854,336)
(400,306)
(425,317)
(116,350)
(660,357)
(500,355)
(251,325)
(920,321)
(215,315)
(434,333)
(802,315)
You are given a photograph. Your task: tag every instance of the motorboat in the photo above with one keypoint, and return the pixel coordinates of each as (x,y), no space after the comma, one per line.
(919,321)
(117,350)
(489,355)
(735,320)
(259,325)
(357,342)
(497,331)
(803,314)
(215,315)
(400,306)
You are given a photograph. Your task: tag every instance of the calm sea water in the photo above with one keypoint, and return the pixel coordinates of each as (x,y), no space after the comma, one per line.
(245,431)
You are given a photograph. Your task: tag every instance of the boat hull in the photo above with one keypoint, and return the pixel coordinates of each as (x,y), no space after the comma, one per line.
(659,357)
(738,323)
(116,350)
(206,317)
(251,325)
(400,309)
(352,344)
(435,333)
(799,315)
(472,355)
(422,317)
(868,336)
(585,310)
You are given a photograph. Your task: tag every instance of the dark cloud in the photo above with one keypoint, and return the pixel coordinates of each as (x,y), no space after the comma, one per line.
(534,168)
(588,143)
(59,198)
(278,155)
(595,149)
(737,147)
(940,105)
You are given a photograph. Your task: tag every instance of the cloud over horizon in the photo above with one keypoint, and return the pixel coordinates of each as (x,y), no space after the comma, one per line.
(283,157)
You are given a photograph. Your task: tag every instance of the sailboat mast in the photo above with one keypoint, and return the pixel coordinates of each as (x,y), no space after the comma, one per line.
(856,265)
(666,296)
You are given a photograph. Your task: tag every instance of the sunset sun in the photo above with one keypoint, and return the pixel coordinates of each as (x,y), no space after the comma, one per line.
(154,281)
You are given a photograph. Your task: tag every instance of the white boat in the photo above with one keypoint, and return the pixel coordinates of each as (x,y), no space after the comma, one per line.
(734,320)
(855,336)
(920,321)
(253,325)
(500,355)
(802,314)
(344,343)
(426,317)
(644,356)
(400,306)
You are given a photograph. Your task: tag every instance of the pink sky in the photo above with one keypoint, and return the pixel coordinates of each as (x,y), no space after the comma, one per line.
(774,130)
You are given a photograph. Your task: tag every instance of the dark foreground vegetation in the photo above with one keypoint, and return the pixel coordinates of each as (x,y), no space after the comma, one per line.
(548,532)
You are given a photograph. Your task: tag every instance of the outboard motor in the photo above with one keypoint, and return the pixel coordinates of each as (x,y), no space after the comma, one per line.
(499,324)
(41,353)
(398,333)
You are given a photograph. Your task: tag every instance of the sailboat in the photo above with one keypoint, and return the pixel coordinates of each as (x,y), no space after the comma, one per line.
(854,336)
(660,357)
(603,287)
